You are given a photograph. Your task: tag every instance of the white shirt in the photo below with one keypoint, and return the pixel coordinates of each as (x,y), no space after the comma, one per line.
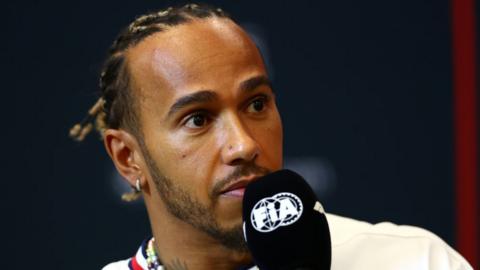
(358,245)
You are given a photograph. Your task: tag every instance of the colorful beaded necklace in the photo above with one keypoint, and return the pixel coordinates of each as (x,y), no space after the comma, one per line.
(152,259)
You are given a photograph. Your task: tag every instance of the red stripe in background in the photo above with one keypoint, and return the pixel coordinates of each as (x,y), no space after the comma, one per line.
(465,87)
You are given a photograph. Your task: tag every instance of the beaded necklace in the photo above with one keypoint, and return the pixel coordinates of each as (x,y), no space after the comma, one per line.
(153,263)
(152,259)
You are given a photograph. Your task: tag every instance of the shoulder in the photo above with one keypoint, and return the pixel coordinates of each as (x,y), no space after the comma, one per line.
(119,265)
(361,245)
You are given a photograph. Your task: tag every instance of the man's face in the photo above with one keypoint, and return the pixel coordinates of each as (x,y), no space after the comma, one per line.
(209,120)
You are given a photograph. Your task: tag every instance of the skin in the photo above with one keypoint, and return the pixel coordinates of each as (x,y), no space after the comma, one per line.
(199,147)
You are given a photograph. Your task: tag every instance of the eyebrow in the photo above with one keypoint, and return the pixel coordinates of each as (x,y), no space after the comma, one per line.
(205,96)
(199,97)
(252,83)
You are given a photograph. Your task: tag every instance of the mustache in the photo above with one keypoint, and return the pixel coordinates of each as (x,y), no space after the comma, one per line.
(239,172)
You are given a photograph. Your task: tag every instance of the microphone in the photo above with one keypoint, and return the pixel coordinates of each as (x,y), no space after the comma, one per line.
(284,224)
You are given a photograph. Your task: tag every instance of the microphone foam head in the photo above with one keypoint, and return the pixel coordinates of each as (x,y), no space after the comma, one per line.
(284,223)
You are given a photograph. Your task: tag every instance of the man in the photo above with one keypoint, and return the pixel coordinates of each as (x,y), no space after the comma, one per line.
(188,116)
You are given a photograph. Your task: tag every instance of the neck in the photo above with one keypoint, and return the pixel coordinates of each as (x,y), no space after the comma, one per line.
(181,246)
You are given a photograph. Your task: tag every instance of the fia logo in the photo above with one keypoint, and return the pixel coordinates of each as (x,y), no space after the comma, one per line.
(281,209)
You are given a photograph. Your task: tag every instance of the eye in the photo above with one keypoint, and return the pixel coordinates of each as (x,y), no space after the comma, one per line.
(257,105)
(197,120)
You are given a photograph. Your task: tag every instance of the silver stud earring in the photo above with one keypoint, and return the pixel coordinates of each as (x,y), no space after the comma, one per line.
(138,187)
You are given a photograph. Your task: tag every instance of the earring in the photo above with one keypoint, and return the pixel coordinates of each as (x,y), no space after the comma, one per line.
(138,187)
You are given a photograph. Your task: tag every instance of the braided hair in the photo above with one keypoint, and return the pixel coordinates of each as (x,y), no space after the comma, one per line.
(116,106)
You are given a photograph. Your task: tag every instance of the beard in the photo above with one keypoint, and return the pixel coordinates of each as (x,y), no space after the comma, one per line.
(184,206)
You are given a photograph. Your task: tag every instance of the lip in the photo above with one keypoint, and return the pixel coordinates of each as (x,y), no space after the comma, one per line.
(237,188)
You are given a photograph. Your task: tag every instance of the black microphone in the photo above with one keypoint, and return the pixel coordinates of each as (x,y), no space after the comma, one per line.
(285,225)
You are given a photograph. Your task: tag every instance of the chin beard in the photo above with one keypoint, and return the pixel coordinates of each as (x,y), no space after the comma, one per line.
(185,207)
(231,238)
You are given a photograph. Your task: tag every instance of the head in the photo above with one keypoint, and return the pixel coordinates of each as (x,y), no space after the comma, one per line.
(188,110)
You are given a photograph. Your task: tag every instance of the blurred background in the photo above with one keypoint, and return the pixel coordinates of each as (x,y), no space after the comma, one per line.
(366,89)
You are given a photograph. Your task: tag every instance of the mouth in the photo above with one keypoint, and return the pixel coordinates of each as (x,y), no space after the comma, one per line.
(236,189)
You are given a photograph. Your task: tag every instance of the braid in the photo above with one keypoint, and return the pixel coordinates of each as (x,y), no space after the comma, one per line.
(116,106)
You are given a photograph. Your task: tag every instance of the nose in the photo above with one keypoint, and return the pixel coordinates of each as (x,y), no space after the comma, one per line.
(239,146)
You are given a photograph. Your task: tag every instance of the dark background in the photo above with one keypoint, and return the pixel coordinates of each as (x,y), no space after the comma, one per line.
(364,89)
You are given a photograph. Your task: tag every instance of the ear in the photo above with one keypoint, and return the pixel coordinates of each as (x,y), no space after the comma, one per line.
(125,153)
